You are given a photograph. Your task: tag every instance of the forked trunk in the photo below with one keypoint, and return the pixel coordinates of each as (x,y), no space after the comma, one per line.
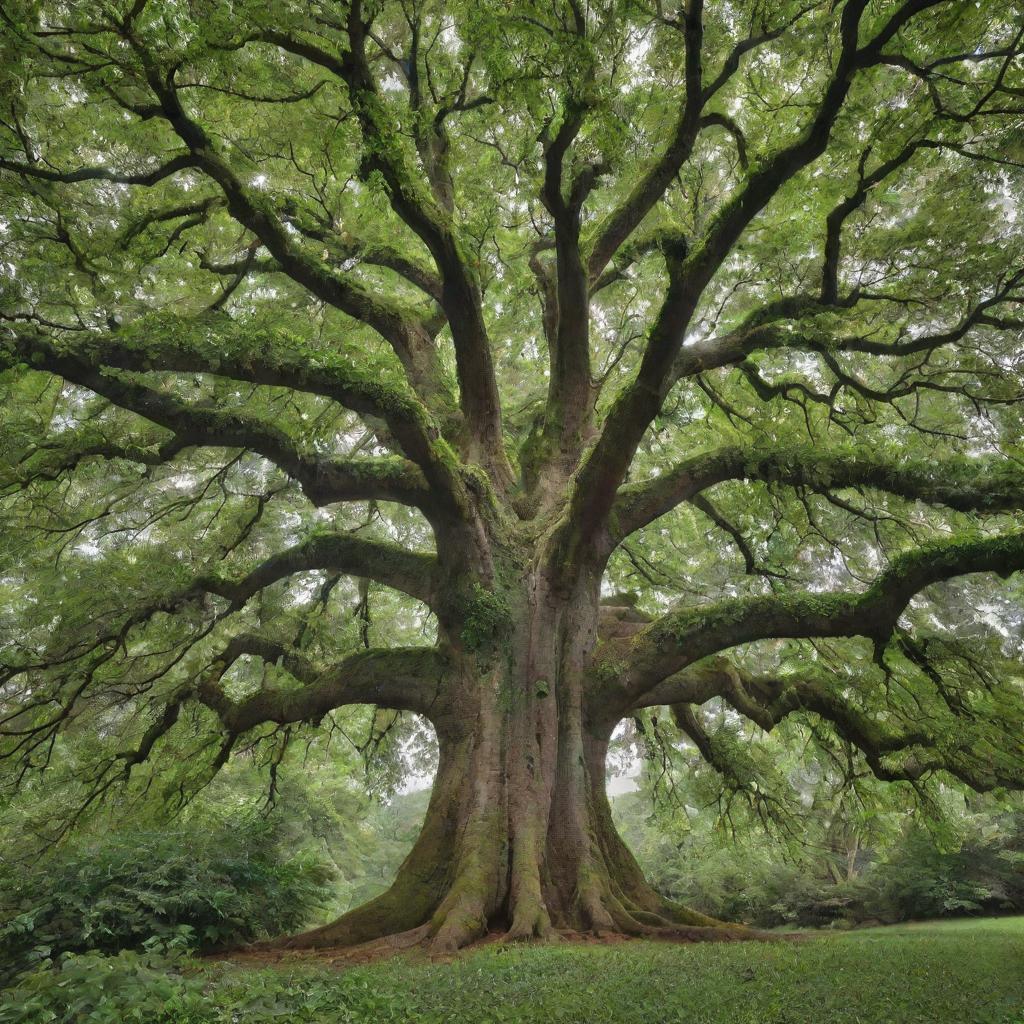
(518,835)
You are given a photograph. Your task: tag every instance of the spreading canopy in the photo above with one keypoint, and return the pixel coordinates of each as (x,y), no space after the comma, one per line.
(314,307)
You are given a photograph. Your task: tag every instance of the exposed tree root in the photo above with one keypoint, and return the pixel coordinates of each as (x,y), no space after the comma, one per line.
(460,921)
(417,942)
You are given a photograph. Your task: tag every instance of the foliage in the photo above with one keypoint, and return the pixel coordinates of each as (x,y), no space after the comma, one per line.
(277,304)
(919,880)
(229,869)
(219,882)
(839,871)
(918,976)
(141,988)
(350,351)
(486,617)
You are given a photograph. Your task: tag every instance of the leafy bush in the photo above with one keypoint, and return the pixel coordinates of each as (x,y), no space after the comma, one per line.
(217,883)
(918,880)
(133,988)
(899,872)
(752,886)
(148,988)
(914,880)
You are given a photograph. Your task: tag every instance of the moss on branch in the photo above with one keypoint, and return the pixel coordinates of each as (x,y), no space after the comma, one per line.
(682,637)
(966,484)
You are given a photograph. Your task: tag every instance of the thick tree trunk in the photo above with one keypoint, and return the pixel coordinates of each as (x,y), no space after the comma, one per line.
(518,835)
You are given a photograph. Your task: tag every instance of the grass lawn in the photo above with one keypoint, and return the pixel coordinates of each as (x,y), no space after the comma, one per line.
(967,972)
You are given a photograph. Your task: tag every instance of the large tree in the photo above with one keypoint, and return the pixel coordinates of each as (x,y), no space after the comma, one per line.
(481,315)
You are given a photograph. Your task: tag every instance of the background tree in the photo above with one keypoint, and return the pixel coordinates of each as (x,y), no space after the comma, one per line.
(465,315)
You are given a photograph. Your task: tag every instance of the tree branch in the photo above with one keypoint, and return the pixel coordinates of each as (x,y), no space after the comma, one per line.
(624,220)
(570,396)
(228,350)
(178,163)
(768,699)
(639,402)
(460,294)
(680,638)
(324,480)
(965,484)
(405,679)
(777,324)
(410,339)
(410,572)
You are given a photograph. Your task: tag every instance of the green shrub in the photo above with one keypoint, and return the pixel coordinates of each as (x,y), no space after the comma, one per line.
(148,988)
(91,988)
(223,882)
(902,871)
(918,880)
